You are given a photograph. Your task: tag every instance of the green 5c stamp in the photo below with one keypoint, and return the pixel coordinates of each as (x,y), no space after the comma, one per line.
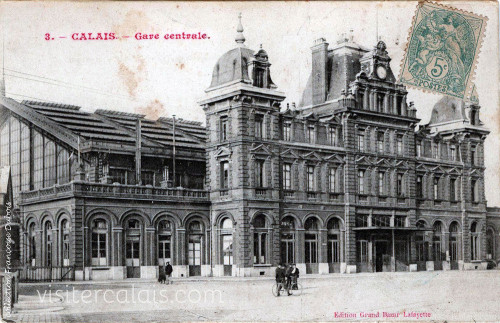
(442,50)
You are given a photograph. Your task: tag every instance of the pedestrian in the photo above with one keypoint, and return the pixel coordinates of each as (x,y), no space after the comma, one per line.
(289,276)
(294,276)
(162,277)
(280,277)
(168,272)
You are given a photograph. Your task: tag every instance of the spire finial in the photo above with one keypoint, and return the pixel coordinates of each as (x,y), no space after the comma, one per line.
(240,39)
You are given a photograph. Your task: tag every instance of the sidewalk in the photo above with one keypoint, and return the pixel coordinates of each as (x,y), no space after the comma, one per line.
(128,281)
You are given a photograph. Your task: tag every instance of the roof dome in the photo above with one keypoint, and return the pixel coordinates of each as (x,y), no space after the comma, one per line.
(233,65)
(448,109)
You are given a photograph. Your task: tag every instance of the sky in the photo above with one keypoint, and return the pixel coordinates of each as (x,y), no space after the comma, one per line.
(165,77)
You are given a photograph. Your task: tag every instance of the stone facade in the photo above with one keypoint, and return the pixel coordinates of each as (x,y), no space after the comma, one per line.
(347,181)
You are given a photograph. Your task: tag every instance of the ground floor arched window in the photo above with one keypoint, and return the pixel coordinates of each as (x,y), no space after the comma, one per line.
(260,239)
(437,239)
(133,244)
(287,240)
(226,245)
(420,243)
(32,245)
(475,242)
(227,241)
(490,244)
(195,247)
(165,242)
(99,242)
(454,241)
(311,227)
(48,239)
(64,230)
(333,240)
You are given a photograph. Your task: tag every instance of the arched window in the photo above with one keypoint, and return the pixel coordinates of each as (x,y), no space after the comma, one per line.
(64,242)
(32,245)
(311,240)
(165,242)
(333,240)
(421,245)
(454,241)
(62,167)
(50,164)
(38,161)
(288,240)
(99,242)
(475,242)
(226,239)
(48,243)
(437,241)
(420,224)
(490,244)
(195,247)
(260,237)
(133,248)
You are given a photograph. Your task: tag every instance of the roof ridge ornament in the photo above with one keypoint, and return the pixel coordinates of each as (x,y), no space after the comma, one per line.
(240,38)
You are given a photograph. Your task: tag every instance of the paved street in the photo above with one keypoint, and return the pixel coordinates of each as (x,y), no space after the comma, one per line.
(463,296)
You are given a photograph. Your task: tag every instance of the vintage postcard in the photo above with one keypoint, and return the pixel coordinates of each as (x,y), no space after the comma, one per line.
(249,161)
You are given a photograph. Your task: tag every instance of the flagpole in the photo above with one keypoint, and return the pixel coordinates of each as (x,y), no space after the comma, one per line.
(173,149)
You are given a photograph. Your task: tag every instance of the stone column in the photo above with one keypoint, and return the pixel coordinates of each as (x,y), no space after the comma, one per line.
(366,99)
(403,106)
(322,252)
(181,247)
(299,252)
(39,248)
(395,104)
(181,264)
(386,103)
(56,258)
(372,99)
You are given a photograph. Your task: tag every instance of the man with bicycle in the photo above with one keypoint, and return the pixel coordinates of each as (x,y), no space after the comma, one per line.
(281,279)
(292,276)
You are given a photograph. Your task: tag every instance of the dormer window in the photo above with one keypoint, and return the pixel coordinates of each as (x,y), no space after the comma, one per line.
(333,136)
(258,76)
(419,148)
(287,130)
(311,134)
(453,153)
(361,142)
(473,114)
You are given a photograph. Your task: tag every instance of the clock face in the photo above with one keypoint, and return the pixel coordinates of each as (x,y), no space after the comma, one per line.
(381,72)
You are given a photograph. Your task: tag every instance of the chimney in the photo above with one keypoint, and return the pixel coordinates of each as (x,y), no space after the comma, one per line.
(319,72)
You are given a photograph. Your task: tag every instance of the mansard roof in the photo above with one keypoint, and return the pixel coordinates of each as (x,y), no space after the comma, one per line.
(448,109)
(68,122)
(342,66)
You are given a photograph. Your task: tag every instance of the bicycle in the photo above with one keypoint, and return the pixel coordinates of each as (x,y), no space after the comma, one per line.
(295,290)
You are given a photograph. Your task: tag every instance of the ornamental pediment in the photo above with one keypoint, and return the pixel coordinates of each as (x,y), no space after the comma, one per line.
(289,153)
(335,158)
(261,150)
(223,152)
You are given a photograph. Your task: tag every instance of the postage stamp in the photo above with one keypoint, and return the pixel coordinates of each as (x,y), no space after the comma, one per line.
(443,46)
